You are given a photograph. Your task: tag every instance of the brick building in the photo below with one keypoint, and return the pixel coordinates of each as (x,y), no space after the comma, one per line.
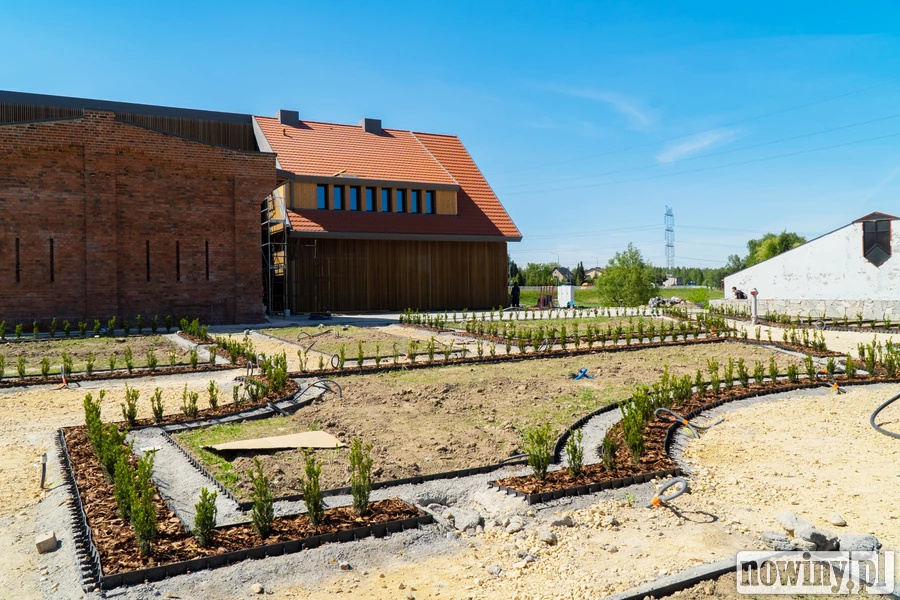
(111,209)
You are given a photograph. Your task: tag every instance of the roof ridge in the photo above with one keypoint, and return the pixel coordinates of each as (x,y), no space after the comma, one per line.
(434,158)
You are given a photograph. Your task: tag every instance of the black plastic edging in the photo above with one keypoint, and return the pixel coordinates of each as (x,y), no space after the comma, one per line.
(90,570)
(161,572)
(564,437)
(591,488)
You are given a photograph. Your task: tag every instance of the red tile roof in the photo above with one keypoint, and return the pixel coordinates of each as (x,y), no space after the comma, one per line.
(323,149)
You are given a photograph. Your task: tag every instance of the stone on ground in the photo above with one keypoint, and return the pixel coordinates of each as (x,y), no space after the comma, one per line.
(463,519)
(546,536)
(566,521)
(45,542)
(790,522)
(837,520)
(258,588)
(494,569)
(861,543)
(801,544)
(516,524)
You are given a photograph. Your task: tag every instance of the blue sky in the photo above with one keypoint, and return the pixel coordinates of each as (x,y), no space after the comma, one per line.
(587,118)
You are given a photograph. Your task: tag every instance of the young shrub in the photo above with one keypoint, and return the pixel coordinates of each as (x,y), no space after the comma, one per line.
(773,370)
(575,452)
(213,390)
(430,349)
(143,509)
(321,365)
(850,368)
(189,403)
(263,511)
(45,367)
(111,327)
(111,442)
(632,426)
(236,395)
(312,491)
(139,322)
(793,373)
(538,446)
(126,327)
(205,517)
(154,324)
(2,366)
(729,374)
(96,327)
(713,366)
(156,405)
(479,348)
(699,384)
(742,373)
(20,366)
(359,354)
(2,330)
(152,361)
(193,357)
(129,359)
(396,352)
(360,474)
(810,367)
(168,323)
(67,328)
(563,337)
(68,363)
(129,407)
(447,350)
(608,450)
(18,331)
(759,372)
(412,351)
(35,330)
(342,357)
(123,484)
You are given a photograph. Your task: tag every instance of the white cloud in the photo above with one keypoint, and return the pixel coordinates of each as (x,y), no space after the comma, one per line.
(695,144)
(633,110)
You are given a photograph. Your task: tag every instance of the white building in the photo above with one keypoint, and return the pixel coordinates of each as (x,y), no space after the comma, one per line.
(845,272)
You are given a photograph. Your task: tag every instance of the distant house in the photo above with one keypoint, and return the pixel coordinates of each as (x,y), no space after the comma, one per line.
(593,272)
(563,275)
(849,271)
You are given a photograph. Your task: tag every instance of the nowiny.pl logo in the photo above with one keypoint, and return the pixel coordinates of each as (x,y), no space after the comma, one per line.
(815,572)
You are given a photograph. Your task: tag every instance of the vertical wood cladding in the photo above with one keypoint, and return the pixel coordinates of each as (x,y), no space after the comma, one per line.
(115,198)
(363,275)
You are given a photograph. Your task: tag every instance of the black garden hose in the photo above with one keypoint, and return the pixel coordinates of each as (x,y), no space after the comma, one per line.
(676,418)
(878,428)
(659,499)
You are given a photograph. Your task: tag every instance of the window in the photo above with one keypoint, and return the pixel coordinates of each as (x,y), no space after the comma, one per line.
(338,197)
(385,200)
(52,266)
(207,260)
(429,202)
(370,199)
(18,279)
(177,261)
(148,260)
(354,198)
(877,241)
(414,201)
(322,197)
(400,204)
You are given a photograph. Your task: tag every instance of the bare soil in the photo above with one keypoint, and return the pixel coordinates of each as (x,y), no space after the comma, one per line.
(330,339)
(79,349)
(443,419)
(725,588)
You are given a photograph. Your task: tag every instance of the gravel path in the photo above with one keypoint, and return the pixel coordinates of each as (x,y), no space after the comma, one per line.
(179,481)
(593,432)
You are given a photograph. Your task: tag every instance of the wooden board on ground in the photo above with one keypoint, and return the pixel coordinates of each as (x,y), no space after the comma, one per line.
(307,439)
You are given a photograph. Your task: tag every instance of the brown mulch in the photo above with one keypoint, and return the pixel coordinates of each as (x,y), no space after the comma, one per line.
(115,539)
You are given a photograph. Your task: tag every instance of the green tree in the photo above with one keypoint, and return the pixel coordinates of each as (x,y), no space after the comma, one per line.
(771,245)
(627,280)
(580,276)
(536,274)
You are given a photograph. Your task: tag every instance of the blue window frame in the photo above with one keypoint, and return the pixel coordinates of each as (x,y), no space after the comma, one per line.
(338,197)
(414,196)
(322,196)
(370,199)
(354,198)
(400,204)
(385,200)
(429,202)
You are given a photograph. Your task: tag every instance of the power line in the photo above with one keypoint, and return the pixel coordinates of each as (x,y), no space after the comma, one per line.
(708,155)
(711,168)
(686,135)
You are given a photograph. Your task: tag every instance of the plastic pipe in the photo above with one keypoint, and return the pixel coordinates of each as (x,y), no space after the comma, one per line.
(659,499)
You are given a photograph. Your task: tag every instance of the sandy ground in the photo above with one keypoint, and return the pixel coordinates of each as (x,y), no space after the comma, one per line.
(725,588)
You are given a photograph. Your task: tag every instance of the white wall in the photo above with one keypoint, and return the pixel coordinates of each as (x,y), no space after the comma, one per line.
(831,267)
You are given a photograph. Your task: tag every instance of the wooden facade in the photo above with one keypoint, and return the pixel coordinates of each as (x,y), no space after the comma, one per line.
(302,195)
(365,275)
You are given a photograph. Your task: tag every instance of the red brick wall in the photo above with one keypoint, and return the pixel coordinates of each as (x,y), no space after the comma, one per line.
(103,189)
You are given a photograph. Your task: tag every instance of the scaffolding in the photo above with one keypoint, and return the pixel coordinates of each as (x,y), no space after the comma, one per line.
(275,228)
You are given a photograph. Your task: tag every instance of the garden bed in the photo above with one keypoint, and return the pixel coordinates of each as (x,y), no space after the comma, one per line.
(117,547)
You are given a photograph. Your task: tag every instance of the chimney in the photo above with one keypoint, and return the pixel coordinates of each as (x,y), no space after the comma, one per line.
(371,126)
(289,117)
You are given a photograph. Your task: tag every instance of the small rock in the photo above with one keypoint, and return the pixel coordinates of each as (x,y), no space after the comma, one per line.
(837,520)
(258,588)
(515,525)
(790,522)
(808,533)
(520,565)
(402,586)
(566,521)
(851,542)
(546,536)
(462,518)
(409,596)
(344,565)
(494,569)
(45,542)
(609,521)
(801,544)
(771,538)
(612,549)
